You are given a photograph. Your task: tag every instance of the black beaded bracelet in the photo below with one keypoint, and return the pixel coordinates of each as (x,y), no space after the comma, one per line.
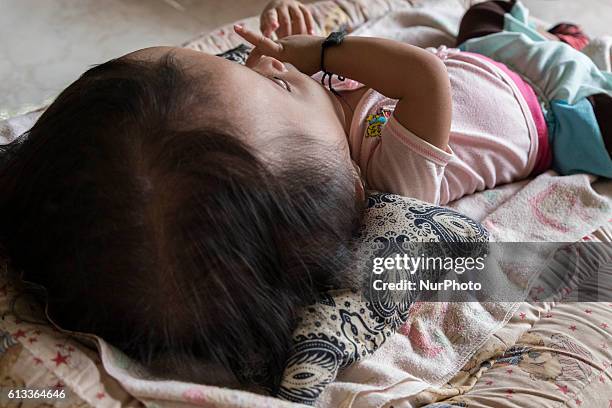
(334,39)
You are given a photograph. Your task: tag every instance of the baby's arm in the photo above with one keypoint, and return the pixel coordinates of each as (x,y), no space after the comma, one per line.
(414,76)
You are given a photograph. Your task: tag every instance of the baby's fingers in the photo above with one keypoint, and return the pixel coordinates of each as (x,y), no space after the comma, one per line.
(309,20)
(269,22)
(265,45)
(284,19)
(299,25)
(253,58)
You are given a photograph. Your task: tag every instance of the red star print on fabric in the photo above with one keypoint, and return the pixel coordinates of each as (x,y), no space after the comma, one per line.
(37,361)
(588,311)
(572,327)
(58,384)
(509,371)
(59,359)
(32,340)
(100,395)
(509,393)
(578,402)
(564,389)
(489,382)
(523,315)
(548,315)
(19,333)
(604,325)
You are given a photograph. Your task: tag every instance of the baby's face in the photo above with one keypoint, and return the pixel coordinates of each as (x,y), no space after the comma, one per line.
(268,98)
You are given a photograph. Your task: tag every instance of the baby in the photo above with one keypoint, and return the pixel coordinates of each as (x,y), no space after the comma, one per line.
(184,207)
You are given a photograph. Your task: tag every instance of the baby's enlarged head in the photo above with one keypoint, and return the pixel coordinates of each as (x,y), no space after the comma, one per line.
(168,205)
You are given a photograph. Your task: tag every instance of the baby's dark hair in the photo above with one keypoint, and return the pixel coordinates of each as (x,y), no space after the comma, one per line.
(170,238)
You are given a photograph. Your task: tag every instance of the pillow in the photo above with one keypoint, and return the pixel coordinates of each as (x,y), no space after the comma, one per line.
(346,326)
(238,54)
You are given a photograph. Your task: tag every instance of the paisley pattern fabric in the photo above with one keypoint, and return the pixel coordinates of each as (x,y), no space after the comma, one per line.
(344,327)
(238,54)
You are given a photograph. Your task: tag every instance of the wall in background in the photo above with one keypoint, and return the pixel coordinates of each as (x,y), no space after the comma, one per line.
(47,44)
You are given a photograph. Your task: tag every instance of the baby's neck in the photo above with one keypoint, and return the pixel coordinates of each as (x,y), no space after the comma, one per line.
(349,101)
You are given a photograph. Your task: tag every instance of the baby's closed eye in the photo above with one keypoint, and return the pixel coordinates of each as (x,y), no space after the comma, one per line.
(281,82)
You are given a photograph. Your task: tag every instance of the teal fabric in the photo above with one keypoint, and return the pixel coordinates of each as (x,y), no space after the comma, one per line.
(578,145)
(553,68)
(562,77)
(518,21)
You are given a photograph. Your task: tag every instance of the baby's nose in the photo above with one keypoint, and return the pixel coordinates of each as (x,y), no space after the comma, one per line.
(271,64)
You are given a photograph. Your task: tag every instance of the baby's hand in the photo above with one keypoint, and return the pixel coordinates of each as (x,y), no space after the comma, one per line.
(286,17)
(302,51)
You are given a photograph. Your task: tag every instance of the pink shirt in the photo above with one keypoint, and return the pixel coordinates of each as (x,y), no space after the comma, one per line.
(493,138)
